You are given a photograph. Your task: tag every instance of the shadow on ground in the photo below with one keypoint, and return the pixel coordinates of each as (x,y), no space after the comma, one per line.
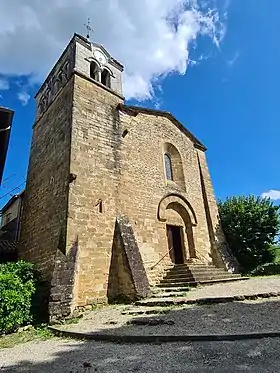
(226,318)
(60,355)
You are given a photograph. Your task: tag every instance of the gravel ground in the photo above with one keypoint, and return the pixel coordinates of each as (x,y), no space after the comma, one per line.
(251,286)
(61,355)
(228,318)
(64,356)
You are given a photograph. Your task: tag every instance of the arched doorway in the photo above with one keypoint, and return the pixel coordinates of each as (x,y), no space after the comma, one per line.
(175,240)
(180,221)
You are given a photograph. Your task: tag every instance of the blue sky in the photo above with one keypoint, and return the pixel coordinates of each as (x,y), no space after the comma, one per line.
(229,100)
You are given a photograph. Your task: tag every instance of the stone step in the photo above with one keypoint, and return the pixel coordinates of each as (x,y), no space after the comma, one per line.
(170,294)
(204,282)
(195,278)
(178,269)
(154,310)
(199,269)
(182,285)
(156,289)
(162,303)
(193,265)
(206,269)
(196,269)
(198,274)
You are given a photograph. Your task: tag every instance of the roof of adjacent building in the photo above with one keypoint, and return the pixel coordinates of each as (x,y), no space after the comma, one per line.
(135,110)
(6,118)
(11,201)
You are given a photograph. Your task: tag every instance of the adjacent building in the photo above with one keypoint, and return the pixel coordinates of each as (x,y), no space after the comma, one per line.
(10,218)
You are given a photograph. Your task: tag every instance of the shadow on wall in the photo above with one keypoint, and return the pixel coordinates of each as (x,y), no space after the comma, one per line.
(8,251)
(52,300)
(63,356)
(62,284)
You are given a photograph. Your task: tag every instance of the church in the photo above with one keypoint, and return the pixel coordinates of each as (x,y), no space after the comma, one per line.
(117,196)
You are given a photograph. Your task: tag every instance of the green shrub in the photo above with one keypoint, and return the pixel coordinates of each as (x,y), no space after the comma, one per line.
(17,286)
(267,269)
(24,270)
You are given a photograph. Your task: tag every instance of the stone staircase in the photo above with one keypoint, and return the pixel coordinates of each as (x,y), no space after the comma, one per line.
(186,275)
(175,287)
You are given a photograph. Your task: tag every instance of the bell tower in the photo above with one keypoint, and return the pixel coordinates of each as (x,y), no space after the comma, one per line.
(86,59)
(73,171)
(94,62)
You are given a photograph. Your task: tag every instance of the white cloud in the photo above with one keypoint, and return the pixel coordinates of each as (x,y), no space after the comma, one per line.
(272,194)
(152,38)
(23,97)
(4,84)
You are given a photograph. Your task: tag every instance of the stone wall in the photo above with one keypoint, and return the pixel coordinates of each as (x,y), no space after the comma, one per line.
(62,284)
(220,251)
(56,80)
(44,214)
(93,196)
(119,163)
(143,185)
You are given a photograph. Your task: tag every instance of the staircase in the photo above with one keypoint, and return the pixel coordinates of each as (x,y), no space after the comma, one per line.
(175,287)
(186,275)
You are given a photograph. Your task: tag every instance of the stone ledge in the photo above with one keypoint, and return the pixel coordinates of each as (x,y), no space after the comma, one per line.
(202,301)
(102,337)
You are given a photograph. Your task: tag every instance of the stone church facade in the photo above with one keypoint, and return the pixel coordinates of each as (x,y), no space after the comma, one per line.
(115,194)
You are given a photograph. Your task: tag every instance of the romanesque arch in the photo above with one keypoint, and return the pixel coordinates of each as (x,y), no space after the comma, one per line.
(179,204)
(170,201)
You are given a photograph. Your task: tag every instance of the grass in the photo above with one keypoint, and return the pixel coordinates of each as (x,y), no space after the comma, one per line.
(33,333)
(72,320)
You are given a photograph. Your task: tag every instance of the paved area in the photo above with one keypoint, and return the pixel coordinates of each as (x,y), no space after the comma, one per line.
(63,356)
(228,318)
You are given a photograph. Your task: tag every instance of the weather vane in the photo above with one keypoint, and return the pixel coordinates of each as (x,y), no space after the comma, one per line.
(89,29)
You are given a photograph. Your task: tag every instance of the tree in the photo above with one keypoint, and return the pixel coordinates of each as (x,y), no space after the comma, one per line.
(251,225)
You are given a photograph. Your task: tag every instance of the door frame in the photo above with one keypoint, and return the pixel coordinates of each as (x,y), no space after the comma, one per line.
(170,243)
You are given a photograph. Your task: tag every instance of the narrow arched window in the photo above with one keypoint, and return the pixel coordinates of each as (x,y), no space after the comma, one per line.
(105,78)
(94,71)
(168,167)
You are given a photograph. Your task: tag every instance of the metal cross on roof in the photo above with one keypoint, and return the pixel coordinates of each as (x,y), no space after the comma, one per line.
(89,29)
